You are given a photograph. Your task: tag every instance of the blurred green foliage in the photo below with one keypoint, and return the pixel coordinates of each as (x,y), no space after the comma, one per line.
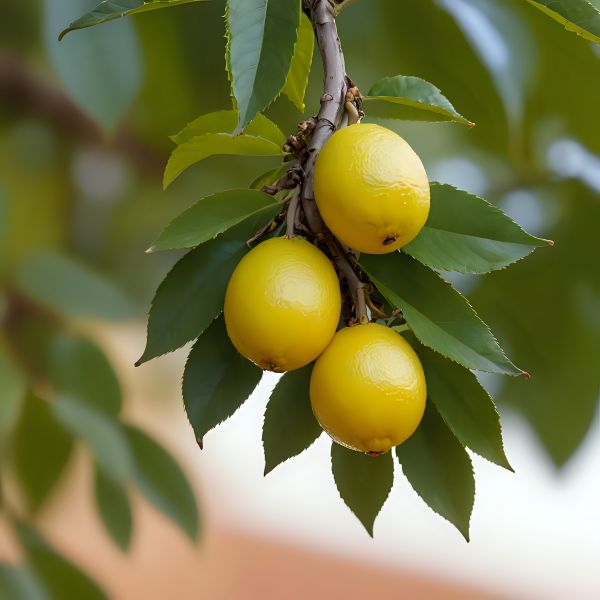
(81,204)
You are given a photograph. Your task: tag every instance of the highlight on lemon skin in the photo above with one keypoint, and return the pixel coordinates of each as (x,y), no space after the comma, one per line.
(371,189)
(367,389)
(282,304)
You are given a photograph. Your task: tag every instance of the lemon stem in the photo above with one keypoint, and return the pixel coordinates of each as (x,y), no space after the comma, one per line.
(353,114)
(355,285)
(375,310)
(340,5)
(293,214)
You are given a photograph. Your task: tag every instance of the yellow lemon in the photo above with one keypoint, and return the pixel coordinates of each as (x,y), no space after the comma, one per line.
(367,389)
(282,304)
(371,189)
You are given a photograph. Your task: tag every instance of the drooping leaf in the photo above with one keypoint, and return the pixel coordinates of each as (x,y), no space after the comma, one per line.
(467,234)
(41,450)
(192,294)
(465,406)
(114,508)
(71,289)
(289,427)
(579,16)
(99,431)
(410,98)
(211,144)
(213,215)
(297,78)
(108,10)
(18,583)
(224,121)
(162,482)
(439,470)
(216,381)
(262,35)
(364,482)
(59,577)
(100,71)
(80,370)
(12,391)
(440,317)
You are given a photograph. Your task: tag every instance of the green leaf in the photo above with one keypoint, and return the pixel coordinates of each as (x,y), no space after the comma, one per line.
(364,482)
(18,583)
(12,391)
(439,470)
(100,432)
(579,16)
(60,578)
(410,98)
(79,370)
(216,381)
(224,121)
(192,294)
(213,215)
(100,71)
(114,508)
(41,450)
(262,35)
(109,10)
(289,427)
(440,317)
(270,177)
(297,78)
(162,482)
(465,406)
(202,146)
(467,234)
(71,289)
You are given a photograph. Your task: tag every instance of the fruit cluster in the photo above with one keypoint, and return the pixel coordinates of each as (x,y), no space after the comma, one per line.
(283,302)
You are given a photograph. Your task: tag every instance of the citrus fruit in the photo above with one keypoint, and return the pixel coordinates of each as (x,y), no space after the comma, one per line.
(371,189)
(282,304)
(367,389)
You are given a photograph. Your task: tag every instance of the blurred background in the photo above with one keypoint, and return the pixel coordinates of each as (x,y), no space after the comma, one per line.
(84,129)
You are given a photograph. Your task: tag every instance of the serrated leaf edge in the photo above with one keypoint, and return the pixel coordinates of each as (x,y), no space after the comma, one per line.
(200,441)
(153,248)
(508,466)
(455,116)
(379,286)
(143,358)
(167,181)
(268,470)
(372,529)
(467,534)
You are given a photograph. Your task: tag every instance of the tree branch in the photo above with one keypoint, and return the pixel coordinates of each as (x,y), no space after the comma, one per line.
(330,117)
(292,214)
(332,101)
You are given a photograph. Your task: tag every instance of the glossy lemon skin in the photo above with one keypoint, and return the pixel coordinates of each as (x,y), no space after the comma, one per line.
(367,389)
(371,189)
(282,304)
